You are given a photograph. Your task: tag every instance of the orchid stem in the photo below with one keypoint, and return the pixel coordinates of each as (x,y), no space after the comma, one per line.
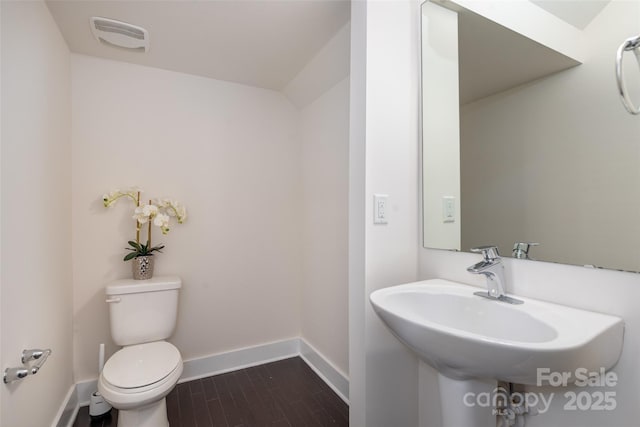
(137,223)
(149,233)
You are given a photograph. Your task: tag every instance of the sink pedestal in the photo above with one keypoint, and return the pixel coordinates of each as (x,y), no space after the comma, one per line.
(467,403)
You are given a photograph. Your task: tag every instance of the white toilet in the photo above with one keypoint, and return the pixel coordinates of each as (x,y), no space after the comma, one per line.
(137,378)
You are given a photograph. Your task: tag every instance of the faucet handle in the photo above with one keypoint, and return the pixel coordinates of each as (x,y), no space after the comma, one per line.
(521,249)
(490,252)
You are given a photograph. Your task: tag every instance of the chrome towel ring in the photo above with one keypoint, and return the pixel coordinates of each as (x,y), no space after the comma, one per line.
(631,44)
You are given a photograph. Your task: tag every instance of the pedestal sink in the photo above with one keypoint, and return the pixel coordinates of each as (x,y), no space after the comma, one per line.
(472,339)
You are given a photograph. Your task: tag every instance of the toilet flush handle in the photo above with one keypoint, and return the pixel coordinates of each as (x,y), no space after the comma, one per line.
(112,299)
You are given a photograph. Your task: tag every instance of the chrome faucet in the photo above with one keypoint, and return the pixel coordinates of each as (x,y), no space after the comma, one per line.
(521,249)
(492,268)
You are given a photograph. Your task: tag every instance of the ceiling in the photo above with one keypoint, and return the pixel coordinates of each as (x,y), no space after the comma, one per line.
(494,58)
(263,43)
(578,13)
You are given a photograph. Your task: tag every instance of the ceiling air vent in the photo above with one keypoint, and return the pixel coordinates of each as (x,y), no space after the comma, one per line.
(120,34)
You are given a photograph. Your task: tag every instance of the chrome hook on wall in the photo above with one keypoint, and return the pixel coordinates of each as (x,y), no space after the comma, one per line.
(14,374)
(631,44)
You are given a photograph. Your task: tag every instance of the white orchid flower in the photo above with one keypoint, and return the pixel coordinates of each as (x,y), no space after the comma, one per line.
(150,210)
(139,215)
(162,221)
(108,199)
(145,213)
(181,213)
(173,208)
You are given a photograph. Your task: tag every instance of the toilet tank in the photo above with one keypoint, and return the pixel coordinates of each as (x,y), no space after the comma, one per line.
(143,310)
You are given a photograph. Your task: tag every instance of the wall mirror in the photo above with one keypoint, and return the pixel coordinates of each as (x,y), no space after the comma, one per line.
(524,137)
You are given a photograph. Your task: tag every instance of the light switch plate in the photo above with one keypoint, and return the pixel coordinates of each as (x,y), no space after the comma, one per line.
(380,208)
(448,209)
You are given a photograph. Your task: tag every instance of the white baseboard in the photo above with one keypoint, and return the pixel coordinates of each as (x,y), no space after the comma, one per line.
(239,359)
(331,375)
(67,413)
(203,367)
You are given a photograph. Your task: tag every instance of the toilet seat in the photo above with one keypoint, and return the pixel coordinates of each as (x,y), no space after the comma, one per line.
(165,367)
(140,367)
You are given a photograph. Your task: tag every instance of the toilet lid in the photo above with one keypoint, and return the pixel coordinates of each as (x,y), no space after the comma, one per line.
(141,365)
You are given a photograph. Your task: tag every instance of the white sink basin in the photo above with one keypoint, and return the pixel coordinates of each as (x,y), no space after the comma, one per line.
(465,336)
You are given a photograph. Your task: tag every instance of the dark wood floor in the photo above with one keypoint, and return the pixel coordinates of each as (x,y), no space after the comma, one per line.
(283,393)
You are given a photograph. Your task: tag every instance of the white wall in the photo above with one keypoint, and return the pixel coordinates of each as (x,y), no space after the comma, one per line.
(231,154)
(357,214)
(516,147)
(320,91)
(325,160)
(36,212)
(384,131)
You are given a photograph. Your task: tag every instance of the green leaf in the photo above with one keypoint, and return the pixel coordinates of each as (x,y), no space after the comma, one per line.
(132,255)
(136,245)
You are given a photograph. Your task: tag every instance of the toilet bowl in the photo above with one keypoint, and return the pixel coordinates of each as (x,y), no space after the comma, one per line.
(136,380)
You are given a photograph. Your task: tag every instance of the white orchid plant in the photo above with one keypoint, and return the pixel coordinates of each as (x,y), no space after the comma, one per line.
(158,212)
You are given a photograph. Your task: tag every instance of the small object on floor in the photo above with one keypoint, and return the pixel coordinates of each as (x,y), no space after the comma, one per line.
(98,407)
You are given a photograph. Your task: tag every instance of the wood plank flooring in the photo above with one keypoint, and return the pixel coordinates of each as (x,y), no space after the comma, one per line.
(282,393)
